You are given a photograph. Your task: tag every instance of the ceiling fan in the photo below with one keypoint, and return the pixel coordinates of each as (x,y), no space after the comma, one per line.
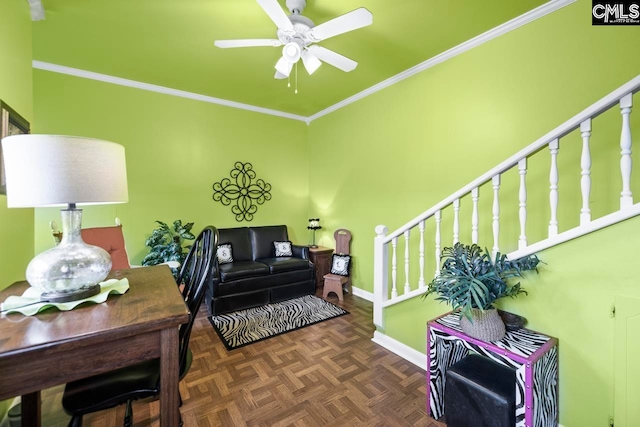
(298,34)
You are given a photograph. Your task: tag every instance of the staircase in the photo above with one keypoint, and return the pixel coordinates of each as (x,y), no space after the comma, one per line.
(393,287)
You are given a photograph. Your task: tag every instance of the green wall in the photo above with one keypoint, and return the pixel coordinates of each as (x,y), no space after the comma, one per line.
(16,225)
(176,149)
(401,150)
(383,160)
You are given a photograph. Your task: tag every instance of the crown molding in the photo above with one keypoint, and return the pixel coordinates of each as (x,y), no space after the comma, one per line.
(498,31)
(39,65)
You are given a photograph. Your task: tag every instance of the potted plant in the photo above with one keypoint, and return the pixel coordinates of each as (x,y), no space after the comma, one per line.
(470,281)
(167,244)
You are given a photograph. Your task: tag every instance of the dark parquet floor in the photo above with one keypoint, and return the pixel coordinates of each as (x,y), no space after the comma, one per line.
(327,374)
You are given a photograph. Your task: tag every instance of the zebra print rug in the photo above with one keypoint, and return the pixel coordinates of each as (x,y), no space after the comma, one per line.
(247,326)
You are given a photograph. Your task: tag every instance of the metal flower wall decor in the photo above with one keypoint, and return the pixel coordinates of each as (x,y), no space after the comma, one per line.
(241,190)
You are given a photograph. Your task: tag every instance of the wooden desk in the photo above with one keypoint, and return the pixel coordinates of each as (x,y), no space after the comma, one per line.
(55,347)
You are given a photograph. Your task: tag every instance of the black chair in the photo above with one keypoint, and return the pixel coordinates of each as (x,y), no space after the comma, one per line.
(142,380)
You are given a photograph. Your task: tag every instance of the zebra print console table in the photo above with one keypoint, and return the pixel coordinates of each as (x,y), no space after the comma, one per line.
(534,356)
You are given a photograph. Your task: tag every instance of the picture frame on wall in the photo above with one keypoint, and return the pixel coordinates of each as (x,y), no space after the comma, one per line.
(11,123)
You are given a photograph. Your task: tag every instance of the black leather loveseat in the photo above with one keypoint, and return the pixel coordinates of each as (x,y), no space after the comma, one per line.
(256,276)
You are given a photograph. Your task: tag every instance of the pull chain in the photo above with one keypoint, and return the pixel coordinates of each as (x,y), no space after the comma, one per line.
(296,78)
(289,80)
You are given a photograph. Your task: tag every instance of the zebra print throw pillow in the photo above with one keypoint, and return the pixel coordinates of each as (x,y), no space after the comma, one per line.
(225,253)
(283,248)
(340,264)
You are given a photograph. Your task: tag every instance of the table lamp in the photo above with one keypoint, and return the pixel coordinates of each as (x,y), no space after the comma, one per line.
(50,170)
(314,224)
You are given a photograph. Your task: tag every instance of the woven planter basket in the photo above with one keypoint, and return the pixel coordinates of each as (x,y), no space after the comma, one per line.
(486,326)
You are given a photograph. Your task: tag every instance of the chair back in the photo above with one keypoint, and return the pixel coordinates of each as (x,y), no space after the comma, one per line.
(343,241)
(111,240)
(194,275)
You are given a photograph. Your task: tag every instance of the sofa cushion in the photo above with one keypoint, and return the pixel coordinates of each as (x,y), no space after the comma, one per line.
(242,269)
(281,264)
(262,239)
(240,242)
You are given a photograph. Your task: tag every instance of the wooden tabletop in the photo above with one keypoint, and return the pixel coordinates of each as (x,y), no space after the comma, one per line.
(152,303)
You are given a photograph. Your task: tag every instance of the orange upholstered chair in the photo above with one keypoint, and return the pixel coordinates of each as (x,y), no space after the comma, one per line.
(111,240)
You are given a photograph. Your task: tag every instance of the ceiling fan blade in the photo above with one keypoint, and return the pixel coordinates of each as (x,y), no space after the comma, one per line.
(247,43)
(279,75)
(277,15)
(284,67)
(333,58)
(310,61)
(342,24)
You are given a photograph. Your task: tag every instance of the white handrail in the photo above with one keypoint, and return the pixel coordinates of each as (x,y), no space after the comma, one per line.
(565,128)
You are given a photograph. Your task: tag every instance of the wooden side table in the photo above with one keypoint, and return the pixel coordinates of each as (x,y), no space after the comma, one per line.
(321,258)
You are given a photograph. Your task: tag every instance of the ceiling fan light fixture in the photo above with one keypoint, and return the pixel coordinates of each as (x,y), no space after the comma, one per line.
(291,52)
(284,67)
(310,61)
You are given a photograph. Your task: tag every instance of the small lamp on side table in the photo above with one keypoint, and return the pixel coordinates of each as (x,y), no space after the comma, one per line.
(314,224)
(50,170)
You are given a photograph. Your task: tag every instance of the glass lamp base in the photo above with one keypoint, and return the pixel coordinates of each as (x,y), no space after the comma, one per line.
(72,270)
(70,296)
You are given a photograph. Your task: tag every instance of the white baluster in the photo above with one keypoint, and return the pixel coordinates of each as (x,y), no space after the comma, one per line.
(522,196)
(407,287)
(585,164)
(421,282)
(496,213)
(394,268)
(554,146)
(475,217)
(626,198)
(456,221)
(438,220)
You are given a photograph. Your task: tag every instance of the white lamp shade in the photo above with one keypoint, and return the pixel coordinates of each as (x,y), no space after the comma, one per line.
(52,170)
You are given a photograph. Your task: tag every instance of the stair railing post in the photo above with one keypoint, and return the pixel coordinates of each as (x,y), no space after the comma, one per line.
(475,217)
(495,182)
(456,221)
(522,198)
(585,180)
(421,282)
(438,241)
(380,274)
(626,197)
(554,146)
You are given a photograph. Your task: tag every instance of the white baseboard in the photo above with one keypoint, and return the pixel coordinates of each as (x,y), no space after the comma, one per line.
(362,293)
(402,350)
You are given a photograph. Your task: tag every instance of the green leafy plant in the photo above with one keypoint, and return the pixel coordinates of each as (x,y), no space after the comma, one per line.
(469,278)
(166,243)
